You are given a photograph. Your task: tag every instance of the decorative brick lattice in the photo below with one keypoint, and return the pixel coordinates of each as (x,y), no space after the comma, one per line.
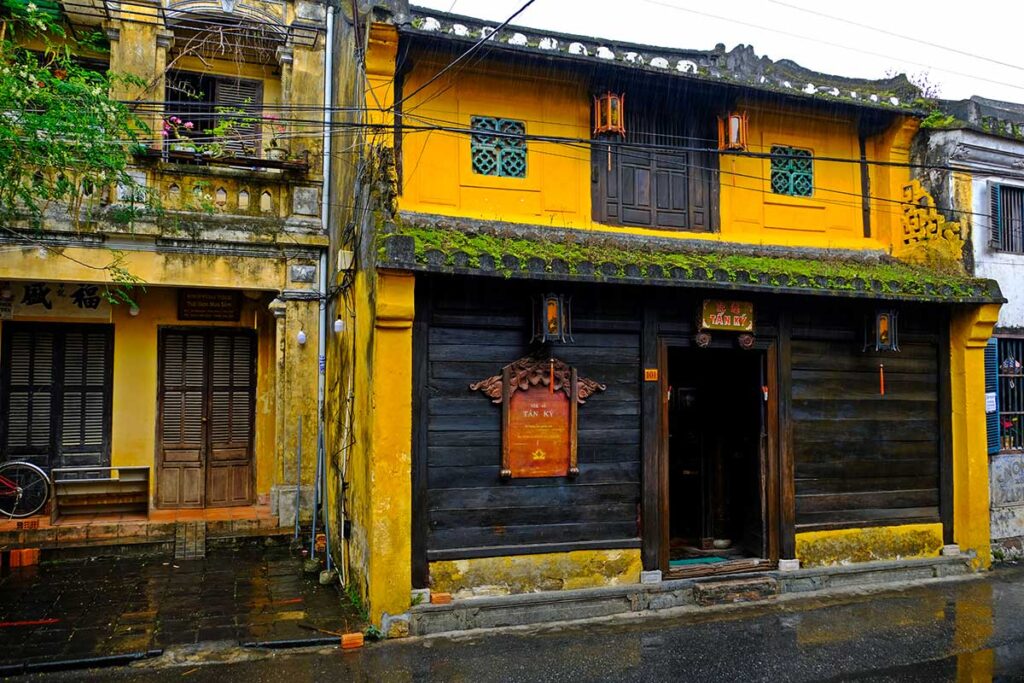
(501,154)
(922,222)
(792,171)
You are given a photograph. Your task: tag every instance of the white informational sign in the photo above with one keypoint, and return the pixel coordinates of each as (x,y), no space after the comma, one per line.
(58,300)
(990,402)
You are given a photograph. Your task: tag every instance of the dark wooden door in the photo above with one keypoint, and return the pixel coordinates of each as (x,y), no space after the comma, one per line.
(55,391)
(232,398)
(207,404)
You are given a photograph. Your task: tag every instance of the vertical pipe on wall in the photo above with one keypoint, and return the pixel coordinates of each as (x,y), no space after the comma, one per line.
(325,214)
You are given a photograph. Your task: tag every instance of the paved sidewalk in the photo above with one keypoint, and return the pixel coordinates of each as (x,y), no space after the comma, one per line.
(83,609)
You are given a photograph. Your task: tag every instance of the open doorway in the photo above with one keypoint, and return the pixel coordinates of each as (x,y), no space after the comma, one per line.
(716,446)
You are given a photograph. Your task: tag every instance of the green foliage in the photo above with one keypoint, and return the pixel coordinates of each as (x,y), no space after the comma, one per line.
(939,119)
(63,138)
(352,591)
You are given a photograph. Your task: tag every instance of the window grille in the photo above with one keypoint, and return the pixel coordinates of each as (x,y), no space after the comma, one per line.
(1007,218)
(501,154)
(1010,394)
(792,171)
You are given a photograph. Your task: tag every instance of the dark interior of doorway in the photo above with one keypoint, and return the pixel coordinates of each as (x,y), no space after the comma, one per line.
(716,461)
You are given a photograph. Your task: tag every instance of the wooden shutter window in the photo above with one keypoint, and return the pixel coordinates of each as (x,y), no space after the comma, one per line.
(992,386)
(995,218)
(247,95)
(232,397)
(30,397)
(183,390)
(56,394)
(84,398)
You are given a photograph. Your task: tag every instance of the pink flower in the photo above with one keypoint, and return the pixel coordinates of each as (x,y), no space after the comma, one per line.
(188,125)
(175,120)
(167,126)
(164,133)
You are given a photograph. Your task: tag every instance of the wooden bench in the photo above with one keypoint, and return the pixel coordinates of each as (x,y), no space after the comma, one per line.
(99,490)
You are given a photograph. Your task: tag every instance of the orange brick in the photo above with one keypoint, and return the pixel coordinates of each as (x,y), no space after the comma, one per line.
(350,641)
(15,558)
(29,557)
(440,598)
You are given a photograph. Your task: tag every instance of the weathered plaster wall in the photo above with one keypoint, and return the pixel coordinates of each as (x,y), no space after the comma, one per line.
(843,546)
(530,573)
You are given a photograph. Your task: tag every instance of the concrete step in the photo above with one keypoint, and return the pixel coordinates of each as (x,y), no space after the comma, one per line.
(545,607)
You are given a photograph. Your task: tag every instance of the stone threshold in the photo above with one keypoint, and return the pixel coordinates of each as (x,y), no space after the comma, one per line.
(701,592)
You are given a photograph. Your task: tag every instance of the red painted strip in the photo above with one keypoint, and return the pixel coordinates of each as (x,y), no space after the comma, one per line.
(30,622)
(289,601)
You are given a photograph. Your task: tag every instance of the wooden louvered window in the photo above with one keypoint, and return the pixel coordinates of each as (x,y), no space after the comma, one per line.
(207,100)
(654,177)
(1006,218)
(56,394)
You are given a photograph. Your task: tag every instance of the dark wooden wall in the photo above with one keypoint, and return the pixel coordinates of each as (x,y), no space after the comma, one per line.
(846,455)
(861,458)
(468,330)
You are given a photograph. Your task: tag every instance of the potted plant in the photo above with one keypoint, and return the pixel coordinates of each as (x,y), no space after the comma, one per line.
(275,149)
(172,130)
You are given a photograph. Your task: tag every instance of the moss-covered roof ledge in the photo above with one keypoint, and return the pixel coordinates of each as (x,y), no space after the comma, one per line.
(438,244)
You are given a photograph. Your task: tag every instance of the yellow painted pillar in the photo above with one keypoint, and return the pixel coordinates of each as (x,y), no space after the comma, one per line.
(970,329)
(389,466)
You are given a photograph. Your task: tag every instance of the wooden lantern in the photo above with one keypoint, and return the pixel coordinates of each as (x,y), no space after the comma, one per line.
(886,331)
(732,131)
(610,114)
(552,320)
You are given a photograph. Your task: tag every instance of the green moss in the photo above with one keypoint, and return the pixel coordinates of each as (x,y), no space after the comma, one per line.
(610,261)
(939,119)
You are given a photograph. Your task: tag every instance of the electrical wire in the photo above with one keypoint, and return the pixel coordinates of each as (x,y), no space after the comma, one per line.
(878,29)
(860,50)
(472,49)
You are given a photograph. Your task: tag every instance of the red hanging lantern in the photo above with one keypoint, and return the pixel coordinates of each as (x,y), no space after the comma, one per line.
(732,131)
(610,114)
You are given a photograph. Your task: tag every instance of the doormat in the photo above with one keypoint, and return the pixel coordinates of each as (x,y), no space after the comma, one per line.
(696,560)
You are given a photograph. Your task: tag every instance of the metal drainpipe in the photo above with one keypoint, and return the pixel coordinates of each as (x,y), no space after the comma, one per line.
(325,214)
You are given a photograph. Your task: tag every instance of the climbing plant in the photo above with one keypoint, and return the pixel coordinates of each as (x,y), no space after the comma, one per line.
(63,138)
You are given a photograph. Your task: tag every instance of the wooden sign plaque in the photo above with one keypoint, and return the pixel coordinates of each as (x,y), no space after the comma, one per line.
(210,305)
(539,399)
(539,431)
(731,316)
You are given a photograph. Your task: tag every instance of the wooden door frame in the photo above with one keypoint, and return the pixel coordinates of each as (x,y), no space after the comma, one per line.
(773,493)
(207,331)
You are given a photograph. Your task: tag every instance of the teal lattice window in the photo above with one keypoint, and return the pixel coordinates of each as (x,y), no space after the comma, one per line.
(792,171)
(499,148)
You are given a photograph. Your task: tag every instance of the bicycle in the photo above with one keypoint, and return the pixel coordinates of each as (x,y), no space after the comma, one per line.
(24,489)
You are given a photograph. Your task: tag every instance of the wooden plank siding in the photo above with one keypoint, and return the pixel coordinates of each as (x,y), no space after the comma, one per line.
(861,458)
(471,512)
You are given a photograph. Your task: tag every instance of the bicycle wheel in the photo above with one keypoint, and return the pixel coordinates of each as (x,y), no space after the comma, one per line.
(24,489)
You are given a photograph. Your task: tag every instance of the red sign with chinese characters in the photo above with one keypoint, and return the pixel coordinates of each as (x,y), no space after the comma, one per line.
(731,316)
(539,433)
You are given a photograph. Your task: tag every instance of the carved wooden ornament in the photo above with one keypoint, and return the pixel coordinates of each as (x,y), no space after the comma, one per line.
(539,397)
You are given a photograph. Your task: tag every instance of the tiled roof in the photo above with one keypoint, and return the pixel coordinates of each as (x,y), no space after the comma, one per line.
(739,66)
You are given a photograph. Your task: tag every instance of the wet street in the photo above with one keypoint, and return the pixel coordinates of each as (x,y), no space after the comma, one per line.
(90,608)
(962,630)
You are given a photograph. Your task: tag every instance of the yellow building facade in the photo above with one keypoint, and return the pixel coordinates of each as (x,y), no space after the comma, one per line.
(205,369)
